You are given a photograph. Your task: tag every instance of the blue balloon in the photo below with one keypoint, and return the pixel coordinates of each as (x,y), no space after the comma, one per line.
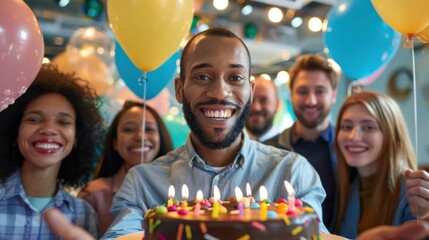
(358,39)
(156,79)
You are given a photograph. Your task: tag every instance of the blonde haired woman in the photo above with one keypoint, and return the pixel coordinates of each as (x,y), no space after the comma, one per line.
(373,151)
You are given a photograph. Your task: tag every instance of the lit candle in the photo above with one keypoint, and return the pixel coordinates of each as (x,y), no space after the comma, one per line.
(216,197)
(239,196)
(197,206)
(171,193)
(249,195)
(291,198)
(264,196)
(248,190)
(185,195)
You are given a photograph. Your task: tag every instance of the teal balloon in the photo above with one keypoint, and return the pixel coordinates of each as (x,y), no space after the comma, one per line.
(177,128)
(156,80)
(358,39)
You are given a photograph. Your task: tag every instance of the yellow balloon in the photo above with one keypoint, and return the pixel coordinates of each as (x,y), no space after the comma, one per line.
(405,16)
(150,31)
(424,35)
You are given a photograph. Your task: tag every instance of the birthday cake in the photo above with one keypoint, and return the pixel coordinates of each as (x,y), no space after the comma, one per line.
(230,223)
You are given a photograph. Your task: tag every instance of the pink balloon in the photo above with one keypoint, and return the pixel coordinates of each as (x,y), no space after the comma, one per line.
(371,78)
(21,50)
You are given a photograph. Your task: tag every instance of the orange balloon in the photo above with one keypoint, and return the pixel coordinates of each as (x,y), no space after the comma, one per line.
(150,31)
(424,35)
(405,16)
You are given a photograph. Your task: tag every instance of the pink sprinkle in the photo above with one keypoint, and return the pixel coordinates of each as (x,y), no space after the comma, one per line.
(206,204)
(182,212)
(298,203)
(172,208)
(180,231)
(259,226)
(281,200)
(307,223)
(162,237)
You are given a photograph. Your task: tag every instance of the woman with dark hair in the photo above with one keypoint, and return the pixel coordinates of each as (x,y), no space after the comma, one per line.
(49,138)
(123,149)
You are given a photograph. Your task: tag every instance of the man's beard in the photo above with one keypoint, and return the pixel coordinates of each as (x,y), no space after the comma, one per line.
(199,132)
(258,131)
(312,124)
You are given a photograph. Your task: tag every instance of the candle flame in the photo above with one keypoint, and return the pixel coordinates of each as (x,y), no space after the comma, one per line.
(171,191)
(185,192)
(263,193)
(216,193)
(248,190)
(289,189)
(199,197)
(238,194)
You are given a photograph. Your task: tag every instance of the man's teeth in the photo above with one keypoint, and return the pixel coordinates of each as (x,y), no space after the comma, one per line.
(218,113)
(47,146)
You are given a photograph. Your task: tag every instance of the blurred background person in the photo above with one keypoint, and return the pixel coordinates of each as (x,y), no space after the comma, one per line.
(49,140)
(123,149)
(313,86)
(373,150)
(264,106)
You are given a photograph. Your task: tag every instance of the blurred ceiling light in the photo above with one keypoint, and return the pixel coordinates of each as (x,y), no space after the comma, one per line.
(315,24)
(290,13)
(282,78)
(265,76)
(220,4)
(275,15)
(46,60)
(296,22)
(59,41)
(246,10)
(325,25)
(286,56)
(63,3)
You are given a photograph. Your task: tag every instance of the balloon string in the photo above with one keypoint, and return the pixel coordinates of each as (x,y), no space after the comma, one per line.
(415,113)
(142,81)
(407,41)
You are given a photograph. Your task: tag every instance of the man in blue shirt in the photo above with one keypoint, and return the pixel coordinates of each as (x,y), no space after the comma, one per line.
(216,92)
(313,86)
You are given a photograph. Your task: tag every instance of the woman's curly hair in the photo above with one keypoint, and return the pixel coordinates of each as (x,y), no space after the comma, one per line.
(77,168)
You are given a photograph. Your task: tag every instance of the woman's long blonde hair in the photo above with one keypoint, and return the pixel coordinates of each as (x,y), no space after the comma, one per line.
(398,155)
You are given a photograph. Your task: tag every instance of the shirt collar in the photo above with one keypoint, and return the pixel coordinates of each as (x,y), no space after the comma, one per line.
(194,158)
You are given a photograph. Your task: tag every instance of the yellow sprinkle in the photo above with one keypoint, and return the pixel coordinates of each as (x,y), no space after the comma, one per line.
(308,209)
(296,230)
(286,220)
(314,237)
(188,232)
(150,225)
(245,237)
